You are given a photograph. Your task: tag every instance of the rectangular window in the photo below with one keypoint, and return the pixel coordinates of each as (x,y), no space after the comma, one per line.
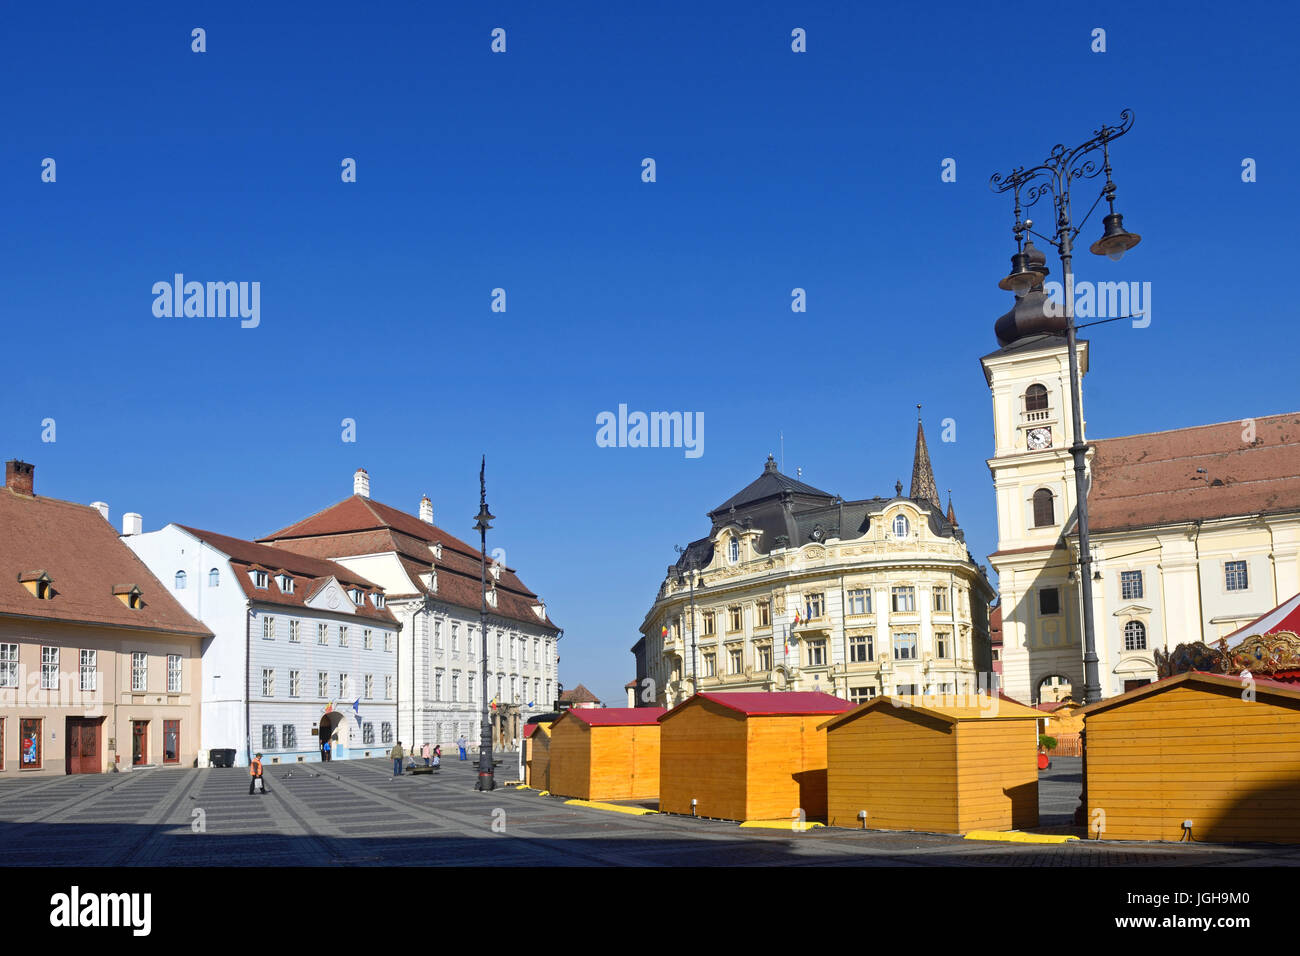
(268,681)
(498,645)
(906,690)
(386,729)
(367,733)
(290,735)
(343,636)
(30,743)
(763,614)
(709,628)
(139,671)
(268,628)
(322,684)
(814,605)
(259,580)
(941,599)
(89,670)
(295,632)
(388,687)
(902,600)
(735,660)
(469,687)
(343,687)
(942,644)
(1130,584)
(860,695)
(1049,601)
(171,741)
(437,635)
(370,687)
(733,618)
(323,634)
(905,646)
(295,683)
(764,654)
(710,664)
(1235,573)
(49,668)
(455,686)
(268,737)
(861,650)
(455,638)
(388,642)
(437,684)
(367,640)
(859,601)
(817,653)
(8,665)
(523,650)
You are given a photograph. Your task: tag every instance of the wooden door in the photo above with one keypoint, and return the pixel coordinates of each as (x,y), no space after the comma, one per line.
(171,741)
(139,742)
(82,736)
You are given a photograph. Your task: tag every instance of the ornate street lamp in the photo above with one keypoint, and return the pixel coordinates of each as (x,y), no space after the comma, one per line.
(1031,314)
(483,522)
(690,573)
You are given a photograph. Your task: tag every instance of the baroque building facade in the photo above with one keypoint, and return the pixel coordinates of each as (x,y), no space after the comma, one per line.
(431,580)
(794,588)
(1194,531)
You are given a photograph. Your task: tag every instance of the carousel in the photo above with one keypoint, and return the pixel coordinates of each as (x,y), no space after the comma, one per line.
(1267,646)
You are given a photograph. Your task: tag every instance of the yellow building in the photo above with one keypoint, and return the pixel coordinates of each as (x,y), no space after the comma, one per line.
(794,588)
(1194,531)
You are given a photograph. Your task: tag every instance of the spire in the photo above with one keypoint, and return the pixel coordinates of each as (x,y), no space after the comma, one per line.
(952,515)
(923,488)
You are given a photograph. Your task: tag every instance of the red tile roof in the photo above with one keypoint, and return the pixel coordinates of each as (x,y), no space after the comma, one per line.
(777,703)
(308,574)
(580,695)
(359,525)
(616,716)
(86,562)
(1152,479)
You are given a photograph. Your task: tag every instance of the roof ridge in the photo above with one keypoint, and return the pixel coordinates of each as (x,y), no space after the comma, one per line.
(1189,428)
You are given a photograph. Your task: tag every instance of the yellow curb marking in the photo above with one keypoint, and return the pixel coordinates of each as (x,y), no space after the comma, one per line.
(1013,836)
(614,807)
(782,825)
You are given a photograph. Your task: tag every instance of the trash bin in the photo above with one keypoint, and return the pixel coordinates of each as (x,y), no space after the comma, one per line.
(224,757)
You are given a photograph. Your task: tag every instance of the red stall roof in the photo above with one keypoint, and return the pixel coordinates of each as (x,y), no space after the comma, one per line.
(778,703)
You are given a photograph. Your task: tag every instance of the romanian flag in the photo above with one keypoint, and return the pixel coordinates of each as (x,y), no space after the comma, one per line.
(494,703)
(796,617)
(664,631)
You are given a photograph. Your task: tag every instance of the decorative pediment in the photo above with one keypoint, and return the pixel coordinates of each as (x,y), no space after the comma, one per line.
(329,596)
(1134,664)
(1132,610)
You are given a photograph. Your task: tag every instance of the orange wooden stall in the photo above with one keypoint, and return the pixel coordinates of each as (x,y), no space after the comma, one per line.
(606,753)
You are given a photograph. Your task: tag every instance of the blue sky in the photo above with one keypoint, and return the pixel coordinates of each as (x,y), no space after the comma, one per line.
(522,171)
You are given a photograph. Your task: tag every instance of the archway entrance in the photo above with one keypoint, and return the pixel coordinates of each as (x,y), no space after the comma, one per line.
(334,728)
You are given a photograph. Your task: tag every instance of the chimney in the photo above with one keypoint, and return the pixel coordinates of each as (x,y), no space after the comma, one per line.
(426,510)
(20,477)
(132,523)
(361,483)
(101,507)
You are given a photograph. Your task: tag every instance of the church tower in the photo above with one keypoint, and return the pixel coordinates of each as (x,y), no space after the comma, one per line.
(1033,480)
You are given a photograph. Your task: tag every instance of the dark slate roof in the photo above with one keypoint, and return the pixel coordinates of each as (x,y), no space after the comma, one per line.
(770,484)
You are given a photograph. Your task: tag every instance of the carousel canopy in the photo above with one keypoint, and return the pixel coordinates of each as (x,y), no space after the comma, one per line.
(1284,617)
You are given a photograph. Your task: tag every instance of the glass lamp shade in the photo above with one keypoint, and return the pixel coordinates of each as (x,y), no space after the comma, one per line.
(1115,240)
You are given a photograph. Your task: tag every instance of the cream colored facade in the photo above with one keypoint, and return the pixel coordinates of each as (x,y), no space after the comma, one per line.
(1176,573)
(854,643)
(108,700)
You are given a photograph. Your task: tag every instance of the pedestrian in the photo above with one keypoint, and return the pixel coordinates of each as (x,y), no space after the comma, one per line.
(256,782)
(462,744)
(397,755)
(437,756)
(424,752)
(329,750)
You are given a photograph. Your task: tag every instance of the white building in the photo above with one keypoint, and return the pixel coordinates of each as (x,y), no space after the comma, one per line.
(433,584)
(303,649)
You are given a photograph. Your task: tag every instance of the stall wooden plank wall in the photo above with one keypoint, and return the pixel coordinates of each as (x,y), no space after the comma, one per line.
(912,768)
(746,766)
(604,762)
(538,766)
(1191,748)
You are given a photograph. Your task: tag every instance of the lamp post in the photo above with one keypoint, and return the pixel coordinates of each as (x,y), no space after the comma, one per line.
(483,522)
(1032,312)
(690,571)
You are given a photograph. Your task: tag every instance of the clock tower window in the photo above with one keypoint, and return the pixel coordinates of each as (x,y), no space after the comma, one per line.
(1044,508)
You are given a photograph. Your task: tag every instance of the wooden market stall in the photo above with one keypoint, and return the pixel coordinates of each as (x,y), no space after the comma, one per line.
(537,755)
(913,763)
(746,755)
(1220,752)
(606,753)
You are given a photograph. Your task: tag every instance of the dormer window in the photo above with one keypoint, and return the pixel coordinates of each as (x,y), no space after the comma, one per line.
(436,548)
(733,550)
(285,582)
(214,578)
(130,595)
(260,579)
(378,599)
(38,584)
(901,526)
(492,597)
(496,571)
(358,596)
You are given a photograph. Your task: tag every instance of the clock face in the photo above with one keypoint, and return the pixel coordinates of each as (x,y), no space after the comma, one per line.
(1040,438)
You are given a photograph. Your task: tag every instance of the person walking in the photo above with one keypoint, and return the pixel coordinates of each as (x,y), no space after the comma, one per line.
(425,753)
(255,779)
(461,745)
(397,755)
(329,750)
(437,756)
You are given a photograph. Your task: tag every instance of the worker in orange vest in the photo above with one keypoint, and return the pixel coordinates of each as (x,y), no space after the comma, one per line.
(255,774)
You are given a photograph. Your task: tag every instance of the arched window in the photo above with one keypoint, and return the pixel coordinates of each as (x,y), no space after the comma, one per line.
(1044,508)
(1035,398)
(901,527)
(180,580)
(1135,636)
(214,578)
(734,549)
